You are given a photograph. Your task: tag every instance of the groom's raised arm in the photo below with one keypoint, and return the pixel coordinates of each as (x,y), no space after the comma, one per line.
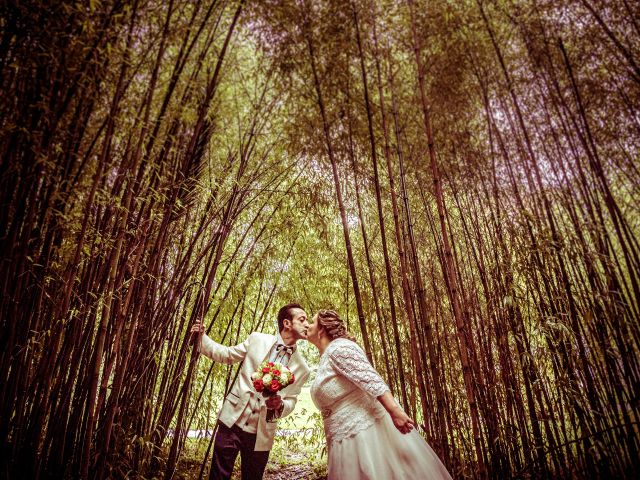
(221,353)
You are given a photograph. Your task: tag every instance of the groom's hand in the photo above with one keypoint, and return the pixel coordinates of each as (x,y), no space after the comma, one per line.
(198,327)
(196,333)
(274,403)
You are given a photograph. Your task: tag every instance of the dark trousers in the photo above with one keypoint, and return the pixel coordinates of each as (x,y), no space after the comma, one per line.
(227,444)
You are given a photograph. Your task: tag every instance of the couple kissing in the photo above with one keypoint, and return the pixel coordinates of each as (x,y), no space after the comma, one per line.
(368,434)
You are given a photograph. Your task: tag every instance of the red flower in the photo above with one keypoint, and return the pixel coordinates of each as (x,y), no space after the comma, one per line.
(276,372)
(258,385)
(292,378)
(271,364)
(275,386)
(265,369)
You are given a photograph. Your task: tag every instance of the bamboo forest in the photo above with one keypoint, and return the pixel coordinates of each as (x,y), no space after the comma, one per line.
(459,180)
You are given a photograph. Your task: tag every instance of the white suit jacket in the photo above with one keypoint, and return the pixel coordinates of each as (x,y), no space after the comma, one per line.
(254,351)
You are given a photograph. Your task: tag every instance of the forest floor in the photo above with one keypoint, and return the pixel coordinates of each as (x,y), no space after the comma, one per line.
(282,466)
(190,469)
(297,454)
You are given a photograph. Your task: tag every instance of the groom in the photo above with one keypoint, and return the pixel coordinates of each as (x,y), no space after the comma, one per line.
(242,424)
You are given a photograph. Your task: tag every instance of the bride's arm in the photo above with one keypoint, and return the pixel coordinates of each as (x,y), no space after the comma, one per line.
(349,360)
(401,420)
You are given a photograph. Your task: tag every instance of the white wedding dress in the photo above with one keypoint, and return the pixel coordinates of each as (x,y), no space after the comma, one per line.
(362,441)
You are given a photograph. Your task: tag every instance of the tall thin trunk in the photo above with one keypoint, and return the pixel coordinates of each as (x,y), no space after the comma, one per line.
(448,268)
(383,231)
(336,181)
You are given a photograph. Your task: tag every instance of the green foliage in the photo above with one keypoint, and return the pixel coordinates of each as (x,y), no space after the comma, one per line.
(140,193)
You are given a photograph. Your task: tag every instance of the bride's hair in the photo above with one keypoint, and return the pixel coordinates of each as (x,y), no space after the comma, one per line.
(333,325)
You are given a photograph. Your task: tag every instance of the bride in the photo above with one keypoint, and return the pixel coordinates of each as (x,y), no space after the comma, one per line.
(369,436)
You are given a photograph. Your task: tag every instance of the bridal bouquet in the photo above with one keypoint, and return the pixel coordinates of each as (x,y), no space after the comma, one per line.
(269,379)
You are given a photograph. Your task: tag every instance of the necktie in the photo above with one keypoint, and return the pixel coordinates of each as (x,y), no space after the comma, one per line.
(281,348)
(283,353)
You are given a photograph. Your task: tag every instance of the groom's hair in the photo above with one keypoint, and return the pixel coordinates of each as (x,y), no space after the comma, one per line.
(285,313)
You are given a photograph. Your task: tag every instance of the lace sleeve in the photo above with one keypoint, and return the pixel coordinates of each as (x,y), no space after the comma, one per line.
(350,361)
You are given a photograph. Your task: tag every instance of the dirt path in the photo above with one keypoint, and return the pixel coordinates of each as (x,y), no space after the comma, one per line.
(274,471)
(292,472)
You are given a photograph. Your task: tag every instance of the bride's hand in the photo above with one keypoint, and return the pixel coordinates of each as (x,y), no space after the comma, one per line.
(402,421)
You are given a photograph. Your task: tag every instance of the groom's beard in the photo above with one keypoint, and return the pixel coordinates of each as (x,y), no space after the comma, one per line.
(301,334)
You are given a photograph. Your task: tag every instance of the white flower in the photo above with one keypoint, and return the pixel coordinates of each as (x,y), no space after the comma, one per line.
(256,376)
(284,380)
(266,379)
